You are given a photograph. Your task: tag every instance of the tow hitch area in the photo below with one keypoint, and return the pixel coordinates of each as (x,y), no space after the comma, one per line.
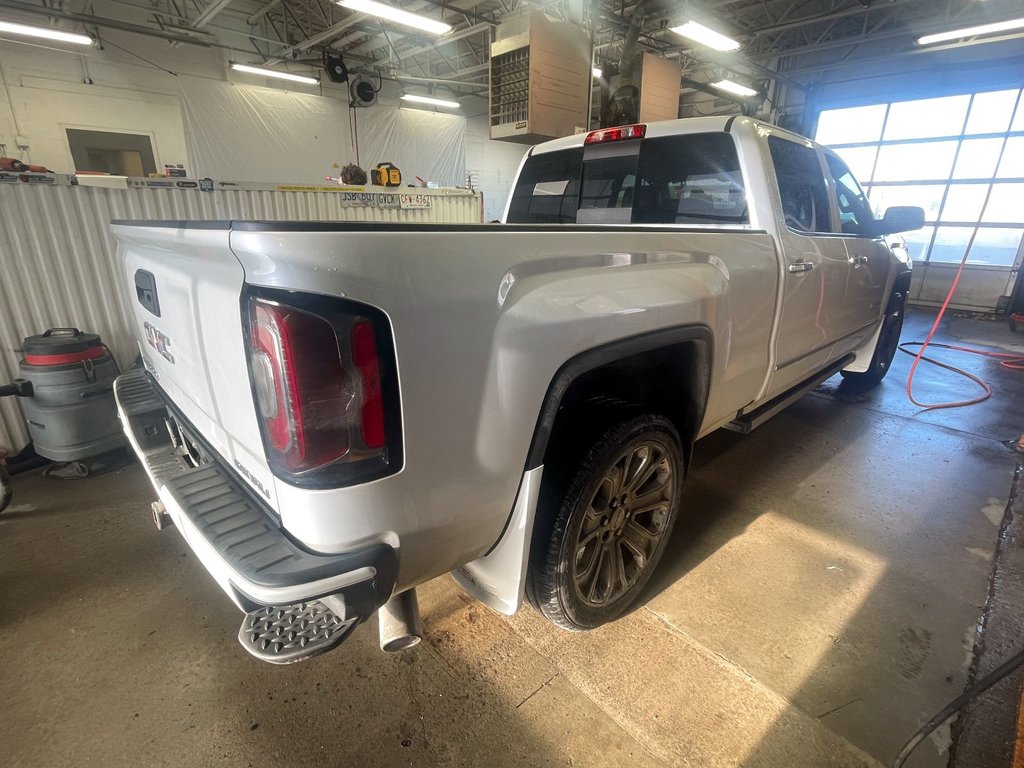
(285,634)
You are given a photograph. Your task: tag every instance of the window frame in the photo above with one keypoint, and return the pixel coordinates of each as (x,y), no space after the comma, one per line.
(833,211)
(81,140)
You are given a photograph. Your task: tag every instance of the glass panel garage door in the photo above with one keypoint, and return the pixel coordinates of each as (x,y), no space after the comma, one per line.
(961,158)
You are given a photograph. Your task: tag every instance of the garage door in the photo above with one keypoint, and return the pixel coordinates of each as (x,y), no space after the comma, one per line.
(961,158)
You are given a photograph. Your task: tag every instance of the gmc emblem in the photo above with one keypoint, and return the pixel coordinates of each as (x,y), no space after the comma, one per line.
(159,341)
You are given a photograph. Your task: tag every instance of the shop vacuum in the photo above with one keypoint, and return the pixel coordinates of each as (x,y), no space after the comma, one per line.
(65,386)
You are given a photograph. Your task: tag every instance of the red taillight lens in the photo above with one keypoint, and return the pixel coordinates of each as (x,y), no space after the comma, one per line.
(364,355)
(317,382)
(619,133)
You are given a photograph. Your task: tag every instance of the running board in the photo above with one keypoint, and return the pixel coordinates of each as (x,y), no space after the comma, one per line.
(748,422)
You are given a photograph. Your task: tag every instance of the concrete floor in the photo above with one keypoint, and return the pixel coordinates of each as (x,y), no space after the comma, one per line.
(820,599)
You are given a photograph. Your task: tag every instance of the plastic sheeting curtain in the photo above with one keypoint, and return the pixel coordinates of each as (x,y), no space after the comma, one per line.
(261,134)
(424,144)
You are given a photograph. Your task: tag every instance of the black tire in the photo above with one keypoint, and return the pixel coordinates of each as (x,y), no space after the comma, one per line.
(885,348)
(6,491)
(593,518)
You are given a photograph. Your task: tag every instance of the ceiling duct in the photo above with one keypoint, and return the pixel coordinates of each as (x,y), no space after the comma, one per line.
(646,86)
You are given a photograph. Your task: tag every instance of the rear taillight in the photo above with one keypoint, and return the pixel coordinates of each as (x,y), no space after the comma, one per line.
(319,381)
(364,355)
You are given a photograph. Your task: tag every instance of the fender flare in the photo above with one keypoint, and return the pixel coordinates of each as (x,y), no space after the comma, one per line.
(594,358)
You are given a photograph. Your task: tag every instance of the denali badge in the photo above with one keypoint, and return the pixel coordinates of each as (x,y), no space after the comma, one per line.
(251,478)
(159,341)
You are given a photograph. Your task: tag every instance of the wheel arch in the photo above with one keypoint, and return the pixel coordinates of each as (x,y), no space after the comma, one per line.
(902,283)
(498,577)
(581,376)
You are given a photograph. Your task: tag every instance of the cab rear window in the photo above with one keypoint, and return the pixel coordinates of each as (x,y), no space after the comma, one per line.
(691,179)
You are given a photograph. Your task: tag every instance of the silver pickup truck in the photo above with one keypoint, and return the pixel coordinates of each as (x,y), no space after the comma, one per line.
(332,414)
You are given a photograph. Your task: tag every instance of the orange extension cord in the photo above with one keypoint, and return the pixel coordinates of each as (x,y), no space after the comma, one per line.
(1007,359)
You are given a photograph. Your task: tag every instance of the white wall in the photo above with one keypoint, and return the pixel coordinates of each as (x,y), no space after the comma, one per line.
(493,165)
(49,89)
(46,98)
(111,88)
(303,138)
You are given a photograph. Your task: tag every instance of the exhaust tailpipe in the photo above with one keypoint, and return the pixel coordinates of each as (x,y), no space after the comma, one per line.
(160,517)
(399,620)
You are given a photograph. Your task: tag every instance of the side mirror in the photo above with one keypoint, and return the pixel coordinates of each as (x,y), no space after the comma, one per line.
(901,218)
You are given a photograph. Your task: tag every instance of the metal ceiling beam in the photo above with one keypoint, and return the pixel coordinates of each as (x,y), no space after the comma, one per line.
(476,69)
(462,12)
(411,7)
(834,44)
(201,39)
(808,20)
(1009,64)
(707,88)
(209,12)
(262,12)
(326,35)
(452,37)
(431,80)
(732,61)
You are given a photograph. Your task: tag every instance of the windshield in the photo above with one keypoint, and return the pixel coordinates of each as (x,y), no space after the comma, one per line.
(689,179)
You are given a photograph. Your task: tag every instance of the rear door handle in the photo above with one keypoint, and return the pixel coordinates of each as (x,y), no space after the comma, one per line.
(801,266)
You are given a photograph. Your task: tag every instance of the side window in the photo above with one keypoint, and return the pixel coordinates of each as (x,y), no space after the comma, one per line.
(548,189)
(854,209)
(802,186)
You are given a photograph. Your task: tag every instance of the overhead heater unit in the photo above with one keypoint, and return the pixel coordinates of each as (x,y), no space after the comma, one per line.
(650,92)
(540,80)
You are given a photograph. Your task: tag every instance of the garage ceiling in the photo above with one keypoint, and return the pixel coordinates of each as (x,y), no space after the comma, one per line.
(791,41)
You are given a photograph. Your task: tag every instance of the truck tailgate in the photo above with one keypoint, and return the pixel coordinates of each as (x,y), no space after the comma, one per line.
(186,307)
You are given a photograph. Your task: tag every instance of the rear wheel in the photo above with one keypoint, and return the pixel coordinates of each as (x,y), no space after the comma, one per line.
(610,527)
(885,348)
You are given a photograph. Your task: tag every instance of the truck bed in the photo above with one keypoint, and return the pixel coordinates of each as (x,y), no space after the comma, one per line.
(483,317)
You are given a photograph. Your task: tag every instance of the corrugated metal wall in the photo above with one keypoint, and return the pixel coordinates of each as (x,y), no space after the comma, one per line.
(57,255)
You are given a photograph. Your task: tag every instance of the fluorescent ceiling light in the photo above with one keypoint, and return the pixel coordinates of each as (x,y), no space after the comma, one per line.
(706,36)
(49,34)
(430,100)
(596,72)
(731,87)
(275,73)
(982,29)
(396,15)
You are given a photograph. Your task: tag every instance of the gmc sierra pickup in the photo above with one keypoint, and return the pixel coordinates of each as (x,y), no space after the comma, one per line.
(332,414)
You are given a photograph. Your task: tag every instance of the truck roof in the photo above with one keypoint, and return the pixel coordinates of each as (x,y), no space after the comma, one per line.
(658,128)
(654,129)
